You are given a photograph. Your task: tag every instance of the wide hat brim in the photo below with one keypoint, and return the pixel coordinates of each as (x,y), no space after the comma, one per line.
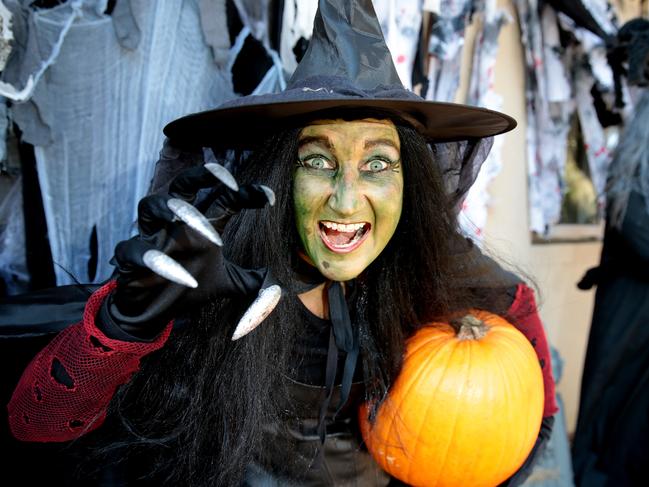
(242,122)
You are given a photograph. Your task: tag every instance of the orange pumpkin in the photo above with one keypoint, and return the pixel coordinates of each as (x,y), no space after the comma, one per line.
(466,408)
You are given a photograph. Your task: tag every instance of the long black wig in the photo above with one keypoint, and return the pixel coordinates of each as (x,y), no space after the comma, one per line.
(197,406)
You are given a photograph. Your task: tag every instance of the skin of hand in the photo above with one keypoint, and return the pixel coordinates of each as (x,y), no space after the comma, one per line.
(347,193)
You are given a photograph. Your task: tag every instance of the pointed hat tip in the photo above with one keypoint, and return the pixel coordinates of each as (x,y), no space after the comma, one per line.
(347,41)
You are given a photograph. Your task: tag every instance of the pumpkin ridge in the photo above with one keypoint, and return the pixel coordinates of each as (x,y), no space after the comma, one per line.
(486,381)
(509,340)
(520,382)
(502,368)
(429,338)
(489,352)
(480,347)
(455,416)
(394,411)
(521,375)
(447,343)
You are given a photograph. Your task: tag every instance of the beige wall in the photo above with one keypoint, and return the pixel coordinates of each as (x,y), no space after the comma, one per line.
(555,268)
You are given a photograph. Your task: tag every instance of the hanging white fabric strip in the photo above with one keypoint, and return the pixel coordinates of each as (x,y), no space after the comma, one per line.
(473,217)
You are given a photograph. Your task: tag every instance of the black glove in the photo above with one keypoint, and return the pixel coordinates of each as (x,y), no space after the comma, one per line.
(149,293)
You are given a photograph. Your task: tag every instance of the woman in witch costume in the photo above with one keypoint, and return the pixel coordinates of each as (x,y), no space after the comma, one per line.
(353,249)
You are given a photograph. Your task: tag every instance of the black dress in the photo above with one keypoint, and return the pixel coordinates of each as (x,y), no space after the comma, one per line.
(611,445)
(340,460)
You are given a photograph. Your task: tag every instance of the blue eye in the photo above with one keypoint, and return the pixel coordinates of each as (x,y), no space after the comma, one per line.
(376,165)
(317,162)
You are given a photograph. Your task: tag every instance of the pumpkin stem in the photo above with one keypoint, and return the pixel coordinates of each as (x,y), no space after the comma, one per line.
(469,328)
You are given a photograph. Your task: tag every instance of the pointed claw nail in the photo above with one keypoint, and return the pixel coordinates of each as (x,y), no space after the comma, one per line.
(258,311)
(222,174)
(195,219)
(270,194)
(166,267)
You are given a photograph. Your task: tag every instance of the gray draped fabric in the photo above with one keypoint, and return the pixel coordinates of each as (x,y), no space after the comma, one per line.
(96,116)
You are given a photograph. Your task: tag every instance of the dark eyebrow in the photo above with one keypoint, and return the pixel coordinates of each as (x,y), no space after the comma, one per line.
(374,142)
(316,140)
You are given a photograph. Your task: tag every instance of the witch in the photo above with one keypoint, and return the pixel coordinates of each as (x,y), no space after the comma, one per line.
(611,441)
(245,324)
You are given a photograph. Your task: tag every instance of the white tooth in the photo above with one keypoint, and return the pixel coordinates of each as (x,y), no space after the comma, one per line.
(343,227)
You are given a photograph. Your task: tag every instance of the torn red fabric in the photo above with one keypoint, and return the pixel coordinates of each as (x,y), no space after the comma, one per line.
(46,408)
(523,313)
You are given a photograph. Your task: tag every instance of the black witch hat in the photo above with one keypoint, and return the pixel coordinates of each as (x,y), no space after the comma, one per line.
(347,66)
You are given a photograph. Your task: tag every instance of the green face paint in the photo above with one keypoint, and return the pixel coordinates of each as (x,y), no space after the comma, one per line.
(347,193)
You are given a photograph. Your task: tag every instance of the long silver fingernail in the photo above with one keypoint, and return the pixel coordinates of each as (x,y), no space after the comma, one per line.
(270,194)
(195,219)
(258,311)
(166,267)
(222,174)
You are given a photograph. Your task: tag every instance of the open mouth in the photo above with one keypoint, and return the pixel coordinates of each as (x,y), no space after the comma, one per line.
(343,237)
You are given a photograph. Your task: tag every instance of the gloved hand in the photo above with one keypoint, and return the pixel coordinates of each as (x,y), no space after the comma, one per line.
(176,262)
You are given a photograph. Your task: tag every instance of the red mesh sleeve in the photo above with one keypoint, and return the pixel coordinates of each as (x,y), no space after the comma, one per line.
(523,313)
(65,390)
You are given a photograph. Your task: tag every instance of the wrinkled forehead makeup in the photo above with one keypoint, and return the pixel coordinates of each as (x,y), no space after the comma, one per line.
(354,114)
(365,133)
